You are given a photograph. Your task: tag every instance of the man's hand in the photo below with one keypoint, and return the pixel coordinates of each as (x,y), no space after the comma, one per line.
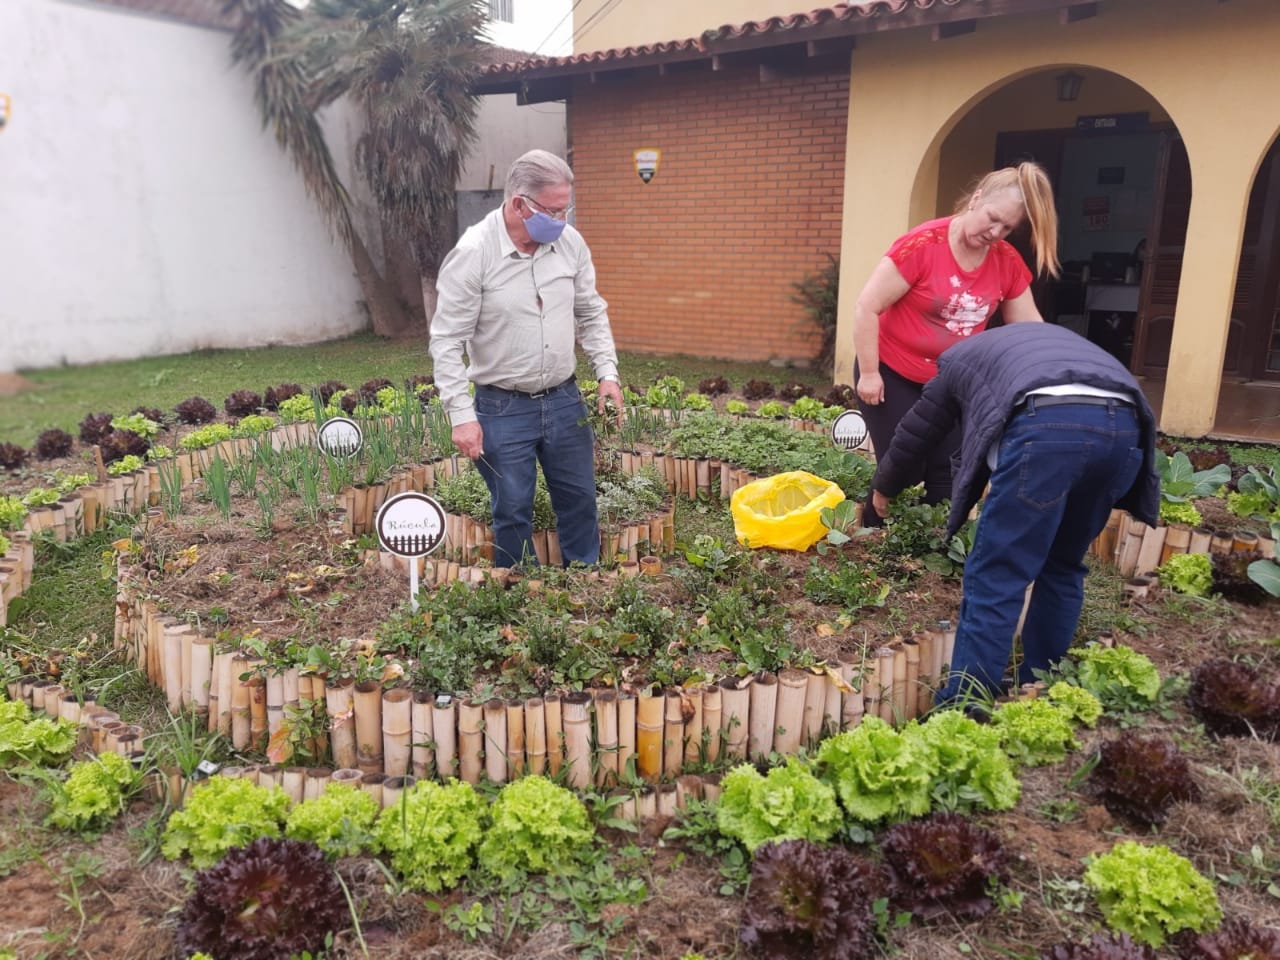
(610,391)
(469,439)
(880,502)
(871,388)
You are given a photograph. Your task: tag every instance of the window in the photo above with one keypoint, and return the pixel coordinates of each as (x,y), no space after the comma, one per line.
(501,10)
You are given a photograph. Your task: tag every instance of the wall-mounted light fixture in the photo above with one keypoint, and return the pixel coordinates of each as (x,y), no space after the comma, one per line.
(1069,84)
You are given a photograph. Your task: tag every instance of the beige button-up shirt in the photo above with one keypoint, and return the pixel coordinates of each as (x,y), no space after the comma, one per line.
(515,315)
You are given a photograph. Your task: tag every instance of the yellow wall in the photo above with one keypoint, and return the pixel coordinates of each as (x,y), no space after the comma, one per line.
(1208,66)
(629,23)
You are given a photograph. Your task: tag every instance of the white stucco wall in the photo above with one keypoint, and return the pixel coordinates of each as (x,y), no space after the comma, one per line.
(143,210)
(505,130)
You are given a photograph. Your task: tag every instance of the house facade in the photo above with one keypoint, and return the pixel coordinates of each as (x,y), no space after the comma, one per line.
(782,137)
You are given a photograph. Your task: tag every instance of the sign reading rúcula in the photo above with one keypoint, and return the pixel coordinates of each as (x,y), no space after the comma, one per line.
(849,430)
(340,437)
(410,524)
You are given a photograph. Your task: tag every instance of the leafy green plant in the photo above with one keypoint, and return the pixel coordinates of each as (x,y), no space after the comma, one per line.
(789,803)
(339,821)
(1120,677)
(879,773)
(1190,573)
(667,393)
(253,425)
(1234,699)
(136,423)
(772,409)
(12,513)
(206,436)
(222,813)
(38,741)
(95,792)
(431,833)
(4,545)
(535,826)
(807,408)
(849,583)
(1081,705)
(1257,495)
(1180,481)
(1265,572)
(217,480)
(819,294)
(41,497)
(297,408)
(697,401)
(1034,732)
(1151,892)
(737,407)
(126,464)
(1141,777)
(973,771)
(1180,511)
(839,521)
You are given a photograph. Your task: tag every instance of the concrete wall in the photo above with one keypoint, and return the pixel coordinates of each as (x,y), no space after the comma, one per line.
(144,209)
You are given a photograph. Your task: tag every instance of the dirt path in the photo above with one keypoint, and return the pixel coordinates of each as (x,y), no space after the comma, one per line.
(12,383)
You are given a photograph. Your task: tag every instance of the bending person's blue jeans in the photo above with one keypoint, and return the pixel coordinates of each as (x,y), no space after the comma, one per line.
(521,431)
(1059,472)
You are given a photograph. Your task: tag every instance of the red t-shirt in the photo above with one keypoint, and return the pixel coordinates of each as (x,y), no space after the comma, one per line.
(945,303)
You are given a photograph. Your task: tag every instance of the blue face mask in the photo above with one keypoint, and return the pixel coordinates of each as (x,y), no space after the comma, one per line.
(543,228)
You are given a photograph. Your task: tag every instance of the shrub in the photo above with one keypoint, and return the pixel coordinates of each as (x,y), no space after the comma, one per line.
(1233,699)
(271,899)
(241,403)
(757,389)
(819,294)
(790,803)
(272,397)
(431,833)
(12,456)
(810,902)
(195,410)
(222,813)
(943,865)
(1141,777)
(535,827)
(339,821)
(94,427)
(53,444)
(1151,892)
(879,773)
(96,791)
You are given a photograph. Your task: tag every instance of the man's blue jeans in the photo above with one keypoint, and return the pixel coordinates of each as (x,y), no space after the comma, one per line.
(521,431)
(1059,472)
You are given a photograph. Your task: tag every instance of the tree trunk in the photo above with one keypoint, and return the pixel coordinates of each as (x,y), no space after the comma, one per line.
(429,297)
(387,316)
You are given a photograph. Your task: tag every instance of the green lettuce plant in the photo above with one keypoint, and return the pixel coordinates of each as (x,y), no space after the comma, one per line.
(535,826)
(789,803)
(67,482)
(40,742)
(159,451)
(806,408)
(136,423)
(298,407)
(222,813)
(1120,677)
(205,436)
(95,792)
(973,771)
(1034,732)
(4,545)
(431,834)
(737,407)
(126,464)
(1151,892)
(41,497)
(1082,706)
(772,409)
(1180,511)
(12,513)
(339,821)
(698,401)
(1190,573)
(880,773)
(253,425)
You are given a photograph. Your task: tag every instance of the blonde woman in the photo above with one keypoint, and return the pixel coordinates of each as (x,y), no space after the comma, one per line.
(939,284)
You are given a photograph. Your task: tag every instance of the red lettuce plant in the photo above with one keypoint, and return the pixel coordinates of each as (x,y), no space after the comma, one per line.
(349,402)
(52,444)
(943,864)
(810,902)
(329,388)
(273,395)
(1236,939)
(841,395)
(1142,777)
(714,386)
(268,901)
(196,410)
(369,389)
(242,403)
(757,389)
(119,444)
(153,414)
(1101,946)
(12,456)
(1234,700)
(94,427)
(794,390)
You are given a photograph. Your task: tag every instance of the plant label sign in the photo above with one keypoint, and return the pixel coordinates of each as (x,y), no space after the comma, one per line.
(849,431)
(340,437)
(410,525)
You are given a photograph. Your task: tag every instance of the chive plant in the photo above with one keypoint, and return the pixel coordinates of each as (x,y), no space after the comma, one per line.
(170,486)
(218,481)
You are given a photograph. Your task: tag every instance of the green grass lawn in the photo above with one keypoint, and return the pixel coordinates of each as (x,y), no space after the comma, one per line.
(64,395)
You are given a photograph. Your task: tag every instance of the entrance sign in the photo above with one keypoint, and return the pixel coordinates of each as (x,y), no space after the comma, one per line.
(849,431)
(340,437)
(410,525)
(647,163)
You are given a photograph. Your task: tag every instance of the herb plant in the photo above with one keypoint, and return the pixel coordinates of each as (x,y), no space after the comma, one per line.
(1151,892)
(222,813)
(789,803)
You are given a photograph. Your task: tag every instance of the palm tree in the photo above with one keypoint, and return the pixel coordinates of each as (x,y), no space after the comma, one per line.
(409,63)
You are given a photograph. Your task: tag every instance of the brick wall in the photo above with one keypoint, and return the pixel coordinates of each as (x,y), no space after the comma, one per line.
(746,202)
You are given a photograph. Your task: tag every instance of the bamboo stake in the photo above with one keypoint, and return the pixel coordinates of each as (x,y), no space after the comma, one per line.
(925,679)
(371,783)
(1221,543)
(1176,540)
(257,706)
(709,734)
(735,700)
(201,673)
(171,647)
(815,699)
(293,783)
(577,738)
(688,787)
(626,735)
(393,788)
(269,775)
(606,739)
(241,715)
(339,701)
(912,702)
(444,728)
(763,721)
(348,776)
(496,762)
(554,715)
(535,728)
(420,720)
(694,726)
(1131,547)
(470,739)
(275,703)
(647,805)
(673,734)
(649,730)
(515,739)
(397,731)
(1243,541)
(668,796)
(1152,545)
(899,681)
(368,714)
(788,724)
(1201,538)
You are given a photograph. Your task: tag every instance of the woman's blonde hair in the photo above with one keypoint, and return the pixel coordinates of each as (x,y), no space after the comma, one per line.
(1032,183)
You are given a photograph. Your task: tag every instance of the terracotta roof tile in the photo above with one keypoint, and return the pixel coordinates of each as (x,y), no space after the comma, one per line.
(204,13)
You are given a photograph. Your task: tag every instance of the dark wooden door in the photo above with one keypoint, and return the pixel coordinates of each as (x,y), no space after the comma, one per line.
(1162,272)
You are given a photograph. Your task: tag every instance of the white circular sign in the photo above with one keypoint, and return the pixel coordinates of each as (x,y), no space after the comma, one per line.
(340,437)
(410,524)
(849,430)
